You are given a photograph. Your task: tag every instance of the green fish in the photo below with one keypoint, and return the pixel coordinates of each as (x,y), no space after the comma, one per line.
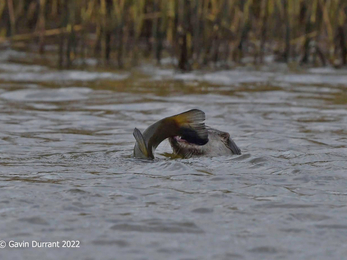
(188,125)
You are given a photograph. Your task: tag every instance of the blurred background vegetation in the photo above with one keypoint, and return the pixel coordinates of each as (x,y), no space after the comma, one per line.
(194,33)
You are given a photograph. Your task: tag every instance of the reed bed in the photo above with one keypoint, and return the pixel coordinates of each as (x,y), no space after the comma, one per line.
(195,33)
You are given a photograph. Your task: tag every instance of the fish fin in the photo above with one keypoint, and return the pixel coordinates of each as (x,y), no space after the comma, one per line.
(141,142)
(192,127)
(194,136)
(188,124)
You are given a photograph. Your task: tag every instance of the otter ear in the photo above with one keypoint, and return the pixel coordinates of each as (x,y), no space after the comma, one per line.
(225,135)
(230,143)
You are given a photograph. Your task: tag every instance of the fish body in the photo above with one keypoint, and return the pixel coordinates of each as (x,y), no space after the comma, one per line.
(219,143)
(189,124)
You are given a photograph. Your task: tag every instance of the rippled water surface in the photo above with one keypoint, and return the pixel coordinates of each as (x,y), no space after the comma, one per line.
(66,171)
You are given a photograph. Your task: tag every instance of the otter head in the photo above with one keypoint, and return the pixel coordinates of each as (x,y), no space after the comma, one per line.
(219,143)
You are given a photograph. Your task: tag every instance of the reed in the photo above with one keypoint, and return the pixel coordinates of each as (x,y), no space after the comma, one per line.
(196,33)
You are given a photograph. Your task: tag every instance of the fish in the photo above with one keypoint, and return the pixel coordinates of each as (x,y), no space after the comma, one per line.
(220,143)
(190,125)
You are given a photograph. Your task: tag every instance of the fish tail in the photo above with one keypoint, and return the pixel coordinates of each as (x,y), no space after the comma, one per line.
(141,146)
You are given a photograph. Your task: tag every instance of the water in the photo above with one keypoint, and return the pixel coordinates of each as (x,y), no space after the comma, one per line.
(66,171)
